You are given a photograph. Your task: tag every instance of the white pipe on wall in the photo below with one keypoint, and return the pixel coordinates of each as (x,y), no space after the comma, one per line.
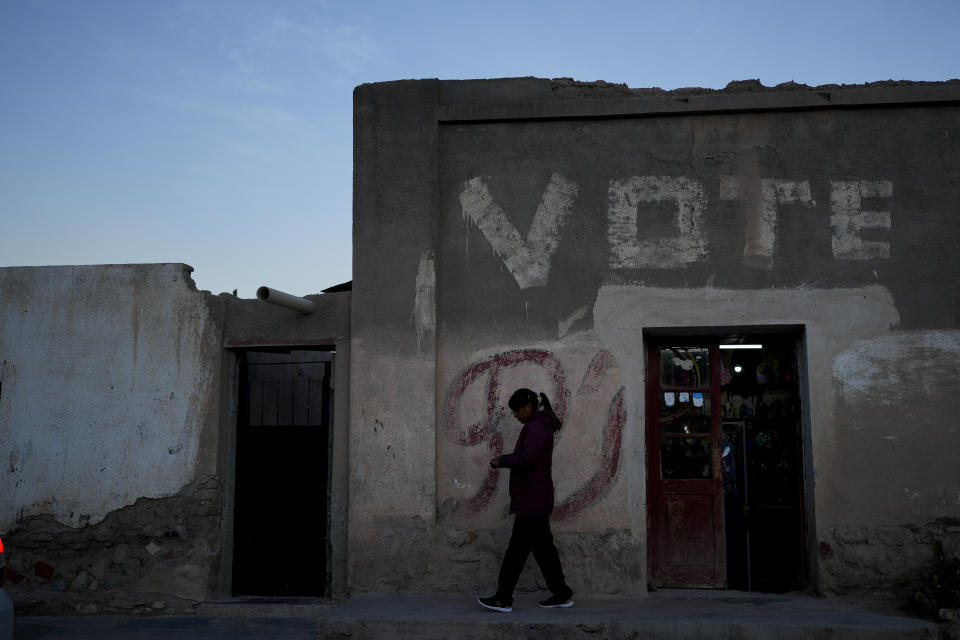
(266,294)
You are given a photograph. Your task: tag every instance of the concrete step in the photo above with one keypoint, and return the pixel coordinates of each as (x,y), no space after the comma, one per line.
(264,607)
(669,614)
(674,615)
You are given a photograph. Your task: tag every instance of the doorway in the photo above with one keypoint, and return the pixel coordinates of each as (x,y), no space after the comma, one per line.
(281,541)
(725,463)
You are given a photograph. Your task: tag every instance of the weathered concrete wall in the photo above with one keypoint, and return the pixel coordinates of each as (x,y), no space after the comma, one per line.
(526,232)
(118,402)
(108,379)
(251,324)
(893,460)
(392,381)
(109,421)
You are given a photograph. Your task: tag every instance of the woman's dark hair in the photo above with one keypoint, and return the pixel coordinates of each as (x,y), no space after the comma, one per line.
(523,397)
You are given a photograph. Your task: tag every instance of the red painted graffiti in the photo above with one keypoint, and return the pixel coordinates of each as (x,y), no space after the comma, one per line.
(595,370)
(596,487)
(479,431)
(479,501)
(487,428)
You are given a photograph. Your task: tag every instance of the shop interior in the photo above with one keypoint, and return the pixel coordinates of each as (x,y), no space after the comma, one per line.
(762,469)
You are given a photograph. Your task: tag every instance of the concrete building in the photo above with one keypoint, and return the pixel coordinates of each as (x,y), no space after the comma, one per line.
(744,304)
(164,446)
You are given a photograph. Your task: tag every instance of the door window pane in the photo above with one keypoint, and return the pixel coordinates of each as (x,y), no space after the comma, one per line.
(685,367)
(687,425)
(686,458)
(676,405)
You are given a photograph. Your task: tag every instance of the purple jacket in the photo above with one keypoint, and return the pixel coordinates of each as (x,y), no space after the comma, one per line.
(530,464)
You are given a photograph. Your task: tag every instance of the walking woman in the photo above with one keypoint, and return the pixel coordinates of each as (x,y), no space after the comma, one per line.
(531,499)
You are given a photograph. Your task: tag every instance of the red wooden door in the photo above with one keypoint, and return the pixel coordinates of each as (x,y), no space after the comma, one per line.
(684,482)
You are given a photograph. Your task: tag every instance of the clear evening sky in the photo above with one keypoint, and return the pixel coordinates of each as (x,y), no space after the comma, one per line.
(219,133)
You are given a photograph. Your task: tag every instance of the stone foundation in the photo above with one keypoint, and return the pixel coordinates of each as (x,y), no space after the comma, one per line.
(410,557)
(885,563)
(157,555)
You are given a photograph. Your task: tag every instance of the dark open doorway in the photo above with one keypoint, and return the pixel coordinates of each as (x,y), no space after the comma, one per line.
(725,463)
(280,511)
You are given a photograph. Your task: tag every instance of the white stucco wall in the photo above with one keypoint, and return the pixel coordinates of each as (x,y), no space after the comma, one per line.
(107,380)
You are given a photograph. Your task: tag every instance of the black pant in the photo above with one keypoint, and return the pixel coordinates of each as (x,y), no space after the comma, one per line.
(531,533)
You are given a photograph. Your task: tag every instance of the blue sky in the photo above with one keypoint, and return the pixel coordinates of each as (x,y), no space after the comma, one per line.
(219,133)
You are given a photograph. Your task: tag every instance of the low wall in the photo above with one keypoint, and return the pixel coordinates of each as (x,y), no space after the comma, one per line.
(109,422)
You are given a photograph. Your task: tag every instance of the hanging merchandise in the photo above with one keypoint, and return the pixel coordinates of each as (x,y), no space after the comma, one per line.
(763,373)
(726,372)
